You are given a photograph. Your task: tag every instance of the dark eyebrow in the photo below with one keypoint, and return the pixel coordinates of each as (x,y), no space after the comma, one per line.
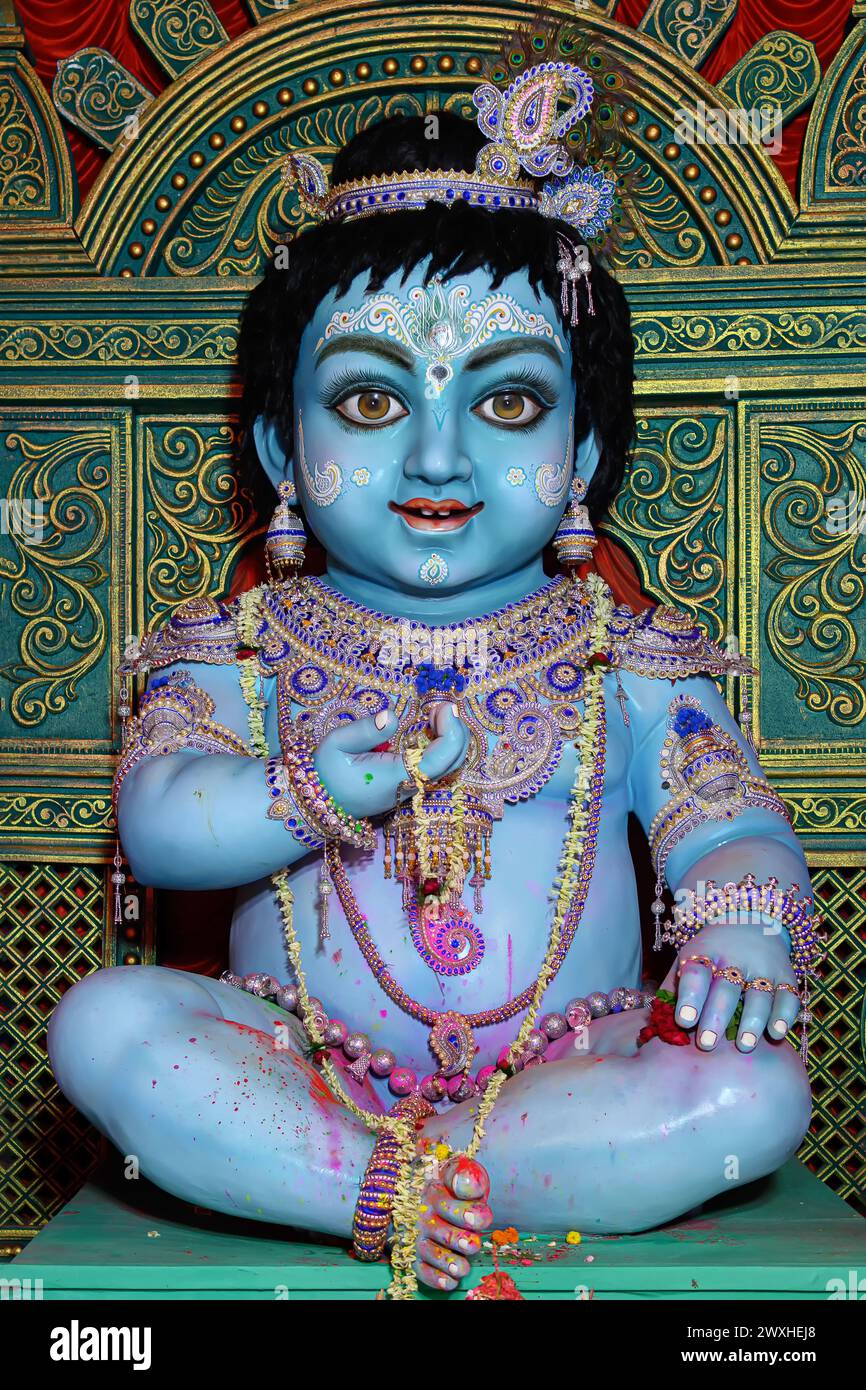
(367,342)
(507,347)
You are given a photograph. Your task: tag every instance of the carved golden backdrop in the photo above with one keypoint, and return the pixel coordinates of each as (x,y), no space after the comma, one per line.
(117,402)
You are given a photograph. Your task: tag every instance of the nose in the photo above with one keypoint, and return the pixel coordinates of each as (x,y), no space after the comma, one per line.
(437,456)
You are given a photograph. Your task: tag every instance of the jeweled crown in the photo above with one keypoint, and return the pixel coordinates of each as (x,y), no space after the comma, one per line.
(527,124)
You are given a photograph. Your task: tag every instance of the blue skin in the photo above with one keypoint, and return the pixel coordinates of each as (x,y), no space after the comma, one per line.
(157,1058)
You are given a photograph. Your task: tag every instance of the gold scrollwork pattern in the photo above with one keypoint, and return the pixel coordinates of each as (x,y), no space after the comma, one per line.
(56,582)
(61,814)
(814,622)
(755,332)
(833,813)
(197,516)
(116,344)
(664,231)
(848,148)
(216,235)
(781,71)
(23,185)
(689,27)
(671,514)
(96,93)
(177,32)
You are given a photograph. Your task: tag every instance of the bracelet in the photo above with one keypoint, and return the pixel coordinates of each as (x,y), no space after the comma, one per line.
(284,807)
(317,807)
(747,896)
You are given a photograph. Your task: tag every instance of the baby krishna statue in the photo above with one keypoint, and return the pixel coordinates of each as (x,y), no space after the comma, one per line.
(419,767)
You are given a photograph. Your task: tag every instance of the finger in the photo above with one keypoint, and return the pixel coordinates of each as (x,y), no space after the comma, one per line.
(757,1004)
(464,1242)
(440,1257)
(360,735)
(692,990)
(432,1277)
(783,1016)
(472,1216)
(447,750)
(717,1013)
(466,1179)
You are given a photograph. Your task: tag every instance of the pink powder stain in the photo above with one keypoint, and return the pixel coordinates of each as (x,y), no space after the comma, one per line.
(383,1013)
(337,957)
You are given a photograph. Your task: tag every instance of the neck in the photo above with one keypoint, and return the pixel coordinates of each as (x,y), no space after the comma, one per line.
(437,608)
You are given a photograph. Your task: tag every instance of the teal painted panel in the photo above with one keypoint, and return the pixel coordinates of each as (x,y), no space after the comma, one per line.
(784,1237)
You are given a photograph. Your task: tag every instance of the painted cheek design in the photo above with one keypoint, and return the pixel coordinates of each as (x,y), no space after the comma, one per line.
(325,484)
(551,479)
(516,477)
(440,325)
(361,477)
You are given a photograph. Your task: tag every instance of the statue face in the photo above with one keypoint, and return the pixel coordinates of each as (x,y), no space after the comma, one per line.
(434,444)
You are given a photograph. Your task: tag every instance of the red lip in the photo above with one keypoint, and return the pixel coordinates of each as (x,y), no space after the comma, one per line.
(422,514)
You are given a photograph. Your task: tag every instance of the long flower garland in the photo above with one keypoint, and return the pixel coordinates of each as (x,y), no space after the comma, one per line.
(248,671)
(413,1169)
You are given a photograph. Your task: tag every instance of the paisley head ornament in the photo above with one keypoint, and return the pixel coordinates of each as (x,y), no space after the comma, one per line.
(528,122)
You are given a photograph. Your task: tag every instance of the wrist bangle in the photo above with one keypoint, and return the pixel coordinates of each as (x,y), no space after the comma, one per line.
(376,1199)
(317,807)
(284,807)
(741,901)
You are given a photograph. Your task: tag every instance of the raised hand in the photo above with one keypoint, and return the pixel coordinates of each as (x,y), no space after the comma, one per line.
(456,1215)
(707,998)
(366,783)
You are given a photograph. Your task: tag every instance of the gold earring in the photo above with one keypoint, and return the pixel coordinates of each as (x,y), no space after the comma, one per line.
(575,539)
(284,547)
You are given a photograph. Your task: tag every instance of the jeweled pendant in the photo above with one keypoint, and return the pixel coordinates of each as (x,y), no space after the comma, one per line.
(452,1044)
(449,943)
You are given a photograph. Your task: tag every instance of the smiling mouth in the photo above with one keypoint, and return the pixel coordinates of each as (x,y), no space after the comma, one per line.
(424,515)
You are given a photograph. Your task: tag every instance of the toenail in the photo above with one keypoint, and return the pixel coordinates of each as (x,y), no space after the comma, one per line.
(748,1040)
(780,1027)
(708,1037)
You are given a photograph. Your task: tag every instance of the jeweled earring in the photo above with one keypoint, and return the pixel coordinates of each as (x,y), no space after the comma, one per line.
(284,547)
(575,539)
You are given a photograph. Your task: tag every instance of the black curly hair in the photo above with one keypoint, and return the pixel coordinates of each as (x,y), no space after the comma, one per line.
(457,239)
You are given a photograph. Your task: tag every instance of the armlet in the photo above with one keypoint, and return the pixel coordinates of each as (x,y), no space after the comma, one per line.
(200,630)
(174,713)
(708,776)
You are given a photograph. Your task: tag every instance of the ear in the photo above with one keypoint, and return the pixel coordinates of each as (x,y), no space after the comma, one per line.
(273,454)
(586,456)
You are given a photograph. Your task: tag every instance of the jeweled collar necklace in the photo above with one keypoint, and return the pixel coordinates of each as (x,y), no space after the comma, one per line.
(309,620)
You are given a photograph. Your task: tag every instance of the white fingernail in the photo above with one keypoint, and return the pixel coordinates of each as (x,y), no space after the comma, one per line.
(688,1014)
(454,709)
(780,1027)
(708,1037)
(748,1040)
(381,719)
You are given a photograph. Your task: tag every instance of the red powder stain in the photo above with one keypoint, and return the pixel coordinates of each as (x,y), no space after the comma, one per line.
(337,957)
(383,1013)
(192,1039)
(318,1090)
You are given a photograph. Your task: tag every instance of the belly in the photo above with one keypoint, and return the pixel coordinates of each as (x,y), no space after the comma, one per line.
(515,927)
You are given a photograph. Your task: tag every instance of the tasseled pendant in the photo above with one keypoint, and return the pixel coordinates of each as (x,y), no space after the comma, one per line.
(326,888)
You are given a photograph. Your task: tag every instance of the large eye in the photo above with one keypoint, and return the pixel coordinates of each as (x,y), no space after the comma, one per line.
(509,408)
(371,408)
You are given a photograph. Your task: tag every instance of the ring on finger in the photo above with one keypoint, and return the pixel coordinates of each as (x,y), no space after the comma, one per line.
(791,989)
(729,973)
(762,985)
(697,960)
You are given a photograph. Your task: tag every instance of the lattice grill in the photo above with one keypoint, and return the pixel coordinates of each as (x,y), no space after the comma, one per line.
(835,1147)
(51,932)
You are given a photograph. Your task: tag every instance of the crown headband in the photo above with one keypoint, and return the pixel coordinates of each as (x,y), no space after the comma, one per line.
(526,131)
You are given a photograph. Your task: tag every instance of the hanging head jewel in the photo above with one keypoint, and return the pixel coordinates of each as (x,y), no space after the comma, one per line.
(527,124)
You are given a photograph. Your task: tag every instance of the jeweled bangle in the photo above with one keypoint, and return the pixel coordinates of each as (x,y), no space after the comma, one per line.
(376,1199)
(765,899)
(318,807)
(284,807)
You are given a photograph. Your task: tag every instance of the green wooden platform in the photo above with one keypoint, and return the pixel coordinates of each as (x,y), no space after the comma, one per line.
(785,1237)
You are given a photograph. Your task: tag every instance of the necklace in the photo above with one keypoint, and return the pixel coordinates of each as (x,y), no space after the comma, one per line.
(451,1034)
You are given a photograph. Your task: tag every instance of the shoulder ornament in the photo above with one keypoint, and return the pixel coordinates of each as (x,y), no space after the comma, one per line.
(202,629)
(666,643)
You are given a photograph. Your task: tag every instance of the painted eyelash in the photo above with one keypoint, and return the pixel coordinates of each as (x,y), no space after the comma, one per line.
(531,378)
(347,381)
